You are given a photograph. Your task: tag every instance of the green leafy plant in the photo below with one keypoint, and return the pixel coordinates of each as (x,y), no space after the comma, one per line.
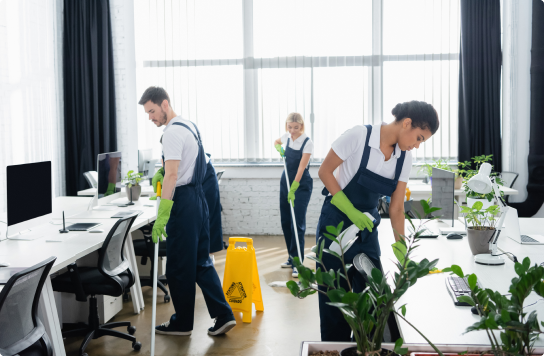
(427,168)
(481,219)
(465,170)
(505,313)
(132,178)
(366,312)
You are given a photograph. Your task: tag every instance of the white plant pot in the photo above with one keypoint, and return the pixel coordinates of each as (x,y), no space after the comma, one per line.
(486,203)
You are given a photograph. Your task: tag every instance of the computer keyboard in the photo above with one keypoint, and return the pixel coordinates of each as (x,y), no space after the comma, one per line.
(424,232)
(525,238)
(457,287)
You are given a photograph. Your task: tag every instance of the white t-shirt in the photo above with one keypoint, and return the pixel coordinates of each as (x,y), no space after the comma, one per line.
(297,144)
(179,144)
(350,147)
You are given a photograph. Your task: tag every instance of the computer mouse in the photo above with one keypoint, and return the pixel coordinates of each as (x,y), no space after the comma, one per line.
(474,310)
(454,236)
(96,231)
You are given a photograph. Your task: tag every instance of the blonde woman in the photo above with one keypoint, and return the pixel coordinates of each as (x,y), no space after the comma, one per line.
(298,150)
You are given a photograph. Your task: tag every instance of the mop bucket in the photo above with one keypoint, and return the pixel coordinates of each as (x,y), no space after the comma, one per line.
(241,279)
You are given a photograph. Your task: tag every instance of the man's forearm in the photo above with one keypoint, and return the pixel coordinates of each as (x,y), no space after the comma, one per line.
(169,186)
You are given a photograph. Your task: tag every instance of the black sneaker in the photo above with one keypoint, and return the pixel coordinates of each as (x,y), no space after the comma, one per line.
(222,325)
(169,329)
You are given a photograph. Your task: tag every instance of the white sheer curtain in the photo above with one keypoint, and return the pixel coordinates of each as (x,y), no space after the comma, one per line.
(238,67)
(31,112)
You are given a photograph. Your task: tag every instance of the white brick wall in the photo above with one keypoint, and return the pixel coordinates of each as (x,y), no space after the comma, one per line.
(124,62)
(252,207)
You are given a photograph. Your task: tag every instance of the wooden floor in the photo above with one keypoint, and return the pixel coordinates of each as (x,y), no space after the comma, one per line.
(279,330)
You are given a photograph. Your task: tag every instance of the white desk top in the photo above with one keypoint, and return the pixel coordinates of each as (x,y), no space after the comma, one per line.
(430,308)
(27,253)
(417,186)
(146,189)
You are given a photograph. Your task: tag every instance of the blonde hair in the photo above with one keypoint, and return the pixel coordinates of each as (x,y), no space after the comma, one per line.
(294,117)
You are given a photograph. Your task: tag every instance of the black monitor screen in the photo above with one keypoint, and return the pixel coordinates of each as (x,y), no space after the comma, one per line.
(109,174)
(29,194)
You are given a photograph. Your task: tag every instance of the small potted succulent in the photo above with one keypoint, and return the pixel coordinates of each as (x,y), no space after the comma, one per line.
(467,172)
(366,312)
(504,314)
(482,227)
(132,185)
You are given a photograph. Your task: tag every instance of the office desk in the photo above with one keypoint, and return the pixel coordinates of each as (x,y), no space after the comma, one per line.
(422,190)
(27,253)
(147,190)
(429,305)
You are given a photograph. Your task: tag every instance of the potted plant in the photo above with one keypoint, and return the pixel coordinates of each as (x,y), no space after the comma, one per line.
(427,168)
(467,172)
(505,312)
(132,185)
(366,312)
(483,223)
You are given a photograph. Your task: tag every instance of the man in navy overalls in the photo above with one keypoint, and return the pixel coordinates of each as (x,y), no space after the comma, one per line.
(183,219)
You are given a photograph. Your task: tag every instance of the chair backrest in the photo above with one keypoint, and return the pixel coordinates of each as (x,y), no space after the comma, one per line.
(111,261)
(92,178)
(19,323)
(509,178)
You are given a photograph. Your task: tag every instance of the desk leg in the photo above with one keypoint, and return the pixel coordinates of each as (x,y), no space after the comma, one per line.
(48,314)
(136,289)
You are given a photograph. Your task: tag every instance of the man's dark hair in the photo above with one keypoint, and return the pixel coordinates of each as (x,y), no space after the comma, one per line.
(423,115)
(155,94)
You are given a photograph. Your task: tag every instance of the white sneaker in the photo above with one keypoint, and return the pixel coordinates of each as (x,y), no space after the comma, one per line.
(295,273)
(286,265)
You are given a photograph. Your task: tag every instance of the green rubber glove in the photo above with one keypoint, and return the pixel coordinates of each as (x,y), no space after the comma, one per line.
(291,194)
(280,150)
(341,201)
(162,219)
(153,198)
(110,190)
(158,177)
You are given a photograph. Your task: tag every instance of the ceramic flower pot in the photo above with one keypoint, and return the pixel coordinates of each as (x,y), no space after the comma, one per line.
(478,240)
(136,192)
(352,351)
(458,182)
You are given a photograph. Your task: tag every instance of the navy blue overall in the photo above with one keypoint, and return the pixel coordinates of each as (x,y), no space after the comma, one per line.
(188,250)
(302,198)
(363,191)
(211,191)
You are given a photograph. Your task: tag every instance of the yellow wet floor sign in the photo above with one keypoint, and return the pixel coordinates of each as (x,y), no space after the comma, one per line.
(241,280)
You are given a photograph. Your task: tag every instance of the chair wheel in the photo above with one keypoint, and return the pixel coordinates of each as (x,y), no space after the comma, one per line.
(131,330)
(136,345)
(167,298)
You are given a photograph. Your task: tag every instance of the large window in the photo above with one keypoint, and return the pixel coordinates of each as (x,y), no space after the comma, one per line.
(237,68)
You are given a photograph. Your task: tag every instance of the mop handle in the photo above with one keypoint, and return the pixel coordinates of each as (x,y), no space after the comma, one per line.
(155,275)
(292,211)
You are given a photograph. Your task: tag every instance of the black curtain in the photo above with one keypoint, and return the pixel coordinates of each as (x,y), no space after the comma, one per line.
(535,185)
(479,81)
(89,95)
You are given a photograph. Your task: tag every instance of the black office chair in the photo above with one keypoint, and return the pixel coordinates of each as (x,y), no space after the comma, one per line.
(509,178)
(112,276)
(21,331)
(145,249)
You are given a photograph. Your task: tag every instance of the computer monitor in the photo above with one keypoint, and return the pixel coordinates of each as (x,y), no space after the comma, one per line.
(443,191)
(29,196)
(109,176)
(146,163)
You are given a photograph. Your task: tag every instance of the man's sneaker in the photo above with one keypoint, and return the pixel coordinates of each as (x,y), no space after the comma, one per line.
(222,325)
(286,265)
(295,272)
(167,329)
